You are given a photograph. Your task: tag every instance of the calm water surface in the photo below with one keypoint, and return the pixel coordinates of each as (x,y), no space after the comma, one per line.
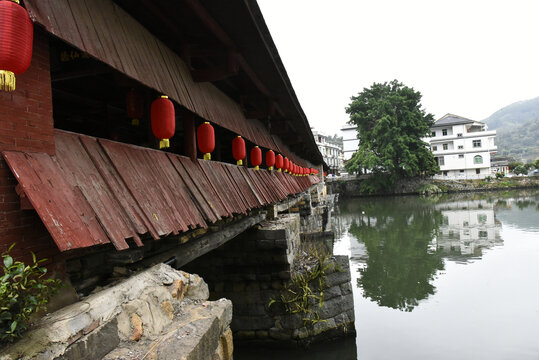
(451,277)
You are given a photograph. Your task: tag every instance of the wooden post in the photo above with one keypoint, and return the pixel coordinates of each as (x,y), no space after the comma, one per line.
(189,131)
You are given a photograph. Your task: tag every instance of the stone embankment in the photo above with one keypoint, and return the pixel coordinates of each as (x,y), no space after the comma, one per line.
(351,187)
(160,313)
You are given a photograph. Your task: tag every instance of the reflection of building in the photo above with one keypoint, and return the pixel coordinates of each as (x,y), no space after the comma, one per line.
(462,147)
(467,227)
(350,141)
(331,150)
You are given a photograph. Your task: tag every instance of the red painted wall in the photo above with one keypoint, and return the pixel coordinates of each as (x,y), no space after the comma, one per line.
(26,124)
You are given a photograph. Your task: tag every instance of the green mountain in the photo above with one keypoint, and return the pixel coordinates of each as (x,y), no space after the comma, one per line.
(517,129)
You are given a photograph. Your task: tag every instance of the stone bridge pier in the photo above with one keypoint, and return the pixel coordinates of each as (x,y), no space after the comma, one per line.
(283,281)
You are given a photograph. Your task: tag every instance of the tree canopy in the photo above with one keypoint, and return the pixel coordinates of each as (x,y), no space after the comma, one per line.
(391,123)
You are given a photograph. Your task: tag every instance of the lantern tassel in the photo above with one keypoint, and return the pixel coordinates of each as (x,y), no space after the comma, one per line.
(135,122)
(164,143)
(279,170)
(239,163)
(207,156)
(270,168)
(257,168)
(7,80)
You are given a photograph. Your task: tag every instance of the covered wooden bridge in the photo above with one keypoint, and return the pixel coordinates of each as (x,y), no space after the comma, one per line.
(81,169)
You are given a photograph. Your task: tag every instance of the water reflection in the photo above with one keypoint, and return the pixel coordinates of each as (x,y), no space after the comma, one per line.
(400,263)
(402,242)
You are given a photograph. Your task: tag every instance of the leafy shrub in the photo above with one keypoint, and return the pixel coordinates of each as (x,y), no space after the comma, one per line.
(23,292)
(500,175)
(488,178)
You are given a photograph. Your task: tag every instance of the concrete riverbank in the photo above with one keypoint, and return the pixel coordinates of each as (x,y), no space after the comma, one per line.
(351,187)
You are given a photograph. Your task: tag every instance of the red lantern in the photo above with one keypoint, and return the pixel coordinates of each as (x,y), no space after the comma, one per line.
(163,120)
(256,157)
(134,104)
(286,164)
(16,38)
(238,150)
(279,161)
(270,159)
(206,139)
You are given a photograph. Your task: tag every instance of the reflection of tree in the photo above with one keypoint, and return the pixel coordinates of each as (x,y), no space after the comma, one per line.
(397,233)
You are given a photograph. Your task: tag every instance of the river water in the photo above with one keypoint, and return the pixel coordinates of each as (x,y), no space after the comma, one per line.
(448,277)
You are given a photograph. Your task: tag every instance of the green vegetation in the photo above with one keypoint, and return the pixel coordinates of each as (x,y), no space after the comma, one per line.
(517,128)
(305,292)
(23,292)
(390,123)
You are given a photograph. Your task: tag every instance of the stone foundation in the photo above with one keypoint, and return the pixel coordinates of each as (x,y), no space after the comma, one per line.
(254,268)
(160,313)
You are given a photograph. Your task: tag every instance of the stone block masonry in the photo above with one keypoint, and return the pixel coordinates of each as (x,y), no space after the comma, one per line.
(254,268)
(160,313)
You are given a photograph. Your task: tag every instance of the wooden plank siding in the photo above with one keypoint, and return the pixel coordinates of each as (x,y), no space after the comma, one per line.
(105,31)
(96,191)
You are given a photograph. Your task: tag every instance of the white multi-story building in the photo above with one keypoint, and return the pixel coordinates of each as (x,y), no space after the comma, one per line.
(332,153)
(462,147)
(350,141)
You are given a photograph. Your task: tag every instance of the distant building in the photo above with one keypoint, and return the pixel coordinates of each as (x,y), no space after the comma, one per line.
(331,152)
(462,147)
(500,164)
(350,141)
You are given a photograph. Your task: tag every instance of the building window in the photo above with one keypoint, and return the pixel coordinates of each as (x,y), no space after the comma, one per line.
(482,218)
(461,171)
(445,173)
(483,234)
(461,147)
(477,159)
(441,161)
(459,135)
(444,132)
(433,134)
(445,146)
(461,156)
(477,143)
(435,148)
(478,171)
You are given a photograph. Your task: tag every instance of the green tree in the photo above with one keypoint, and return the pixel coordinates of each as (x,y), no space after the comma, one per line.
(514,164)
(391,123)
(536,163)
(520,169)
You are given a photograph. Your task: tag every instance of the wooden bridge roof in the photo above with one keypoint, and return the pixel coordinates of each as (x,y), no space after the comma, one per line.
(140,39)
(96,191)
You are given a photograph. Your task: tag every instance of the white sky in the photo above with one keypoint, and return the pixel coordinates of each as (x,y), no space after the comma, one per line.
(466,57)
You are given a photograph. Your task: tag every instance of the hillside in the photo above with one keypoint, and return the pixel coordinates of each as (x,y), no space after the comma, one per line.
(517,128)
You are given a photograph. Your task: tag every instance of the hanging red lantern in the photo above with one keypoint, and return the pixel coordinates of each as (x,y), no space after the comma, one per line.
(206,139)
(16,38)
(279,162)
(163,120)
(238,150)
(134,104)
(270,159)
(286,164)
(256,157)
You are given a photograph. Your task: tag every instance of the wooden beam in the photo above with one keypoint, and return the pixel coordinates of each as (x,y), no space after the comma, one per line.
(185,253)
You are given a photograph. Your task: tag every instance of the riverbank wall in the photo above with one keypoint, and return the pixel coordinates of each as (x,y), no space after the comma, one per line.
(351,187)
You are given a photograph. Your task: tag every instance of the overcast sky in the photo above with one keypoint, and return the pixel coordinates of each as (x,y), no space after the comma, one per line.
(466,57)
